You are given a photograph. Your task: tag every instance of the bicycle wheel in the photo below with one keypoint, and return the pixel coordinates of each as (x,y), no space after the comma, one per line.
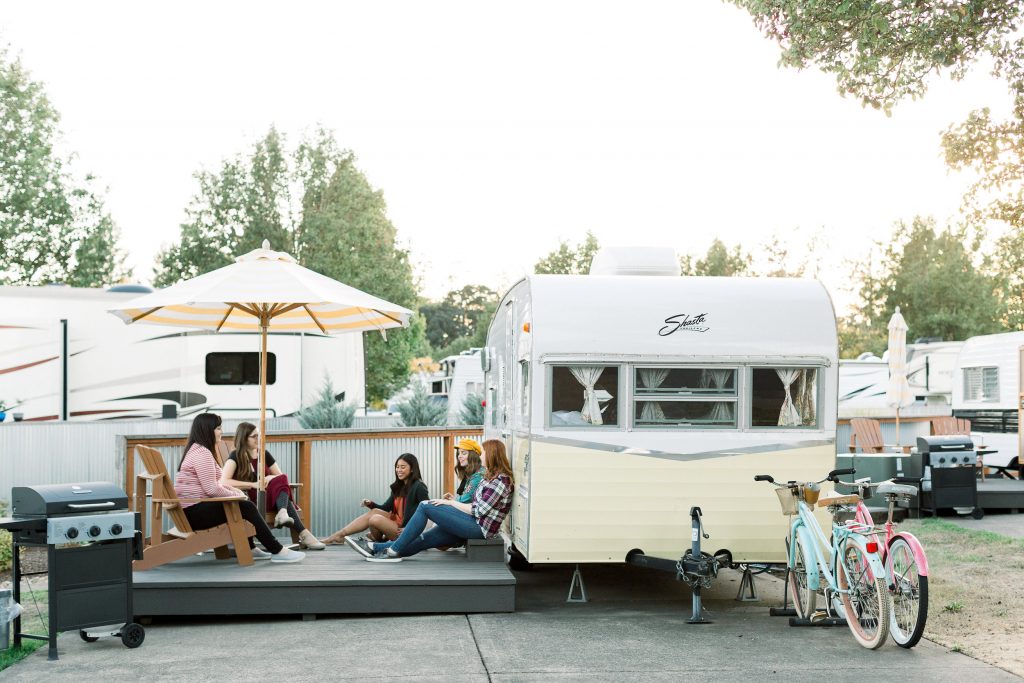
(865,598)
(804,597)
(909,590)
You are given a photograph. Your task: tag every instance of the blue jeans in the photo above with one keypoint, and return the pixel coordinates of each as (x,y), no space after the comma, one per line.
(452,527)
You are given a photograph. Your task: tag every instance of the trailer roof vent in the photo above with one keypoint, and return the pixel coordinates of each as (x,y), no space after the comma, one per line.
(635,261)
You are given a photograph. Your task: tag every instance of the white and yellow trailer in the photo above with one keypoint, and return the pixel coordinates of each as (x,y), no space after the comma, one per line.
(703,383)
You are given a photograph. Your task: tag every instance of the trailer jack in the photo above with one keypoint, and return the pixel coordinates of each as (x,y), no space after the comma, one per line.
(696,568)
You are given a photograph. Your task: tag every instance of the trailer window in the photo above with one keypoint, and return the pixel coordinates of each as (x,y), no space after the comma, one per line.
(238,367)
(684,397)
(981,384)
(584,396)
(784,397)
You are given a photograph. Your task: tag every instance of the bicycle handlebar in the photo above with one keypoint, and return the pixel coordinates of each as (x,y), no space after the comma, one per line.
(764,477)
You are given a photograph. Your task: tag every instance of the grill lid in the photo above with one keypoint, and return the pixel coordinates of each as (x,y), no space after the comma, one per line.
(944,444)
(67,499)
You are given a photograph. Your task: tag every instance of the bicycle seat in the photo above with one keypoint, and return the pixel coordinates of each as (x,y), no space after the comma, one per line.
(836,498)
(897,489)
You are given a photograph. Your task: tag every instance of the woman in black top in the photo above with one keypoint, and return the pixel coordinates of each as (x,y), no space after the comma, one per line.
(240,472)
(386,521)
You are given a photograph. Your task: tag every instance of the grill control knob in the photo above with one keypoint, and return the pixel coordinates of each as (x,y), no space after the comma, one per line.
(72,533)
(95,531)
(116,530)
(942,460)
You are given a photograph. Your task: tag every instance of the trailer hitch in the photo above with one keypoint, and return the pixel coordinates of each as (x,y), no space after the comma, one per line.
(696,568)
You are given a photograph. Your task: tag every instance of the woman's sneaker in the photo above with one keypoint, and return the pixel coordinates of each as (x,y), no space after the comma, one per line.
(384,555)
(287,555)
(282,519)
(361,545)
(260,554)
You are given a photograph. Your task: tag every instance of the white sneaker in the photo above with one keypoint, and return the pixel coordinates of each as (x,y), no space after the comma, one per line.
(310,542)
(260,554)
(282,519)
(287,555)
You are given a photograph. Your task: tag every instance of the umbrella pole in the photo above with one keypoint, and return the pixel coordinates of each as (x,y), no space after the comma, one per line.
(899,444)
(261,494)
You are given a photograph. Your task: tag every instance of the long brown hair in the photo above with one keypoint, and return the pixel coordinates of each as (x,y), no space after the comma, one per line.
(399,487)
(202,433)
(243,469)
(473,465)
(497,461)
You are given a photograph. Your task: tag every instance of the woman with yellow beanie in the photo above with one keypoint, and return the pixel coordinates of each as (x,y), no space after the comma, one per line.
(467,469)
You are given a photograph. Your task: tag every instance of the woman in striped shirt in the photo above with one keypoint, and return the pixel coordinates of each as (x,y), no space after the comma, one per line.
(199,477)
(454,522)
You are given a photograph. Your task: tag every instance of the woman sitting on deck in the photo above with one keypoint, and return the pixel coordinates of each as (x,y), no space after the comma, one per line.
(468,470)
(199,476)
(454,521)
(240,472)
(385,521)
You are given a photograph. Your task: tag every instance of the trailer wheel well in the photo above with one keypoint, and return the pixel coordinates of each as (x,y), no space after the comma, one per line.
(633,553)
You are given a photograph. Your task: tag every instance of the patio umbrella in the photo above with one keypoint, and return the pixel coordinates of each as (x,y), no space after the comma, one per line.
(898,393)
(264,290)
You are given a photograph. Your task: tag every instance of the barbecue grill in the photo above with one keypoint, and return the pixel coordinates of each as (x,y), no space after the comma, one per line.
(949,463)
(91,539)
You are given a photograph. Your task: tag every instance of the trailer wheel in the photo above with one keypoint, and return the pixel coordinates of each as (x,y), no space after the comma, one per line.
(517,561)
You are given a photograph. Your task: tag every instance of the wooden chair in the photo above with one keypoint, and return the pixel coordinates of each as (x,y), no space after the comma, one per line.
(162,548)
(949,425)
(866,434)
(223,451)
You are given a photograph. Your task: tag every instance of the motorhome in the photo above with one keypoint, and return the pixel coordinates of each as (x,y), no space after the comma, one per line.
(863,382)
(627,396)
(64,357)
(457,377)
(987,390)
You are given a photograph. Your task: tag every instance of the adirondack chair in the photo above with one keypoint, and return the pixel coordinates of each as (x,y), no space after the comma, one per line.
(222,452)
(949,425)
(162,548)
(866,434)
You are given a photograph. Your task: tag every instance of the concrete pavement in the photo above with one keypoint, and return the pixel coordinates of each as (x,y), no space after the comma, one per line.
(1002,522)
(633,628)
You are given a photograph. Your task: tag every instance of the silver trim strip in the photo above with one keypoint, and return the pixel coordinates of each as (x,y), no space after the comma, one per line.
(664,455)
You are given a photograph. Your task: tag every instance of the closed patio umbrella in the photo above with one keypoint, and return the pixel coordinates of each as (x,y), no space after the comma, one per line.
(898,392)
(264,290)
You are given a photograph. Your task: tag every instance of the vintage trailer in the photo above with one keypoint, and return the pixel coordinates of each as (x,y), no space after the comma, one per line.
(64,357)
(624,400)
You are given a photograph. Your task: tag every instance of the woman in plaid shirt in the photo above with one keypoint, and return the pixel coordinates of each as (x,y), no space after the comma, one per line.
(455,522)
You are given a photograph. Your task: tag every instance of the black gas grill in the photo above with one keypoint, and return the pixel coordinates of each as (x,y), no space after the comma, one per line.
(949,467)
(91,539)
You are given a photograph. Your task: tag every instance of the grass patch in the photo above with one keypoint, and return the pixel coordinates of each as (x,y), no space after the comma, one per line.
(31,622)
(953,607)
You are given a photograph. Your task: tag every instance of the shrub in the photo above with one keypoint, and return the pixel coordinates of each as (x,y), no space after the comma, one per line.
(6,546)
(472,412)
(327,412)
(421,410)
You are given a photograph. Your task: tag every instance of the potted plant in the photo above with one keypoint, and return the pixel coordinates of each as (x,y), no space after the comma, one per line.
(3,411)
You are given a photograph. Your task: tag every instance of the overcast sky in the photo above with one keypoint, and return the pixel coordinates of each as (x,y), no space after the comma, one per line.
(495,129)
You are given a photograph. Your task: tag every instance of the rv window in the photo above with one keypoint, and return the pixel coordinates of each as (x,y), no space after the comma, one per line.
(584,396)
(981,384)
(683,397)
(784,397)
(524,389)
(238,367)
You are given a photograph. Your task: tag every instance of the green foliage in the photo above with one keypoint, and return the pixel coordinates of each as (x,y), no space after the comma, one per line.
(421,410)
(569,260)
(472,411)
(53,227)
(315,204)
(327,412)
(719,261)
(32,621)
(6,553)
(459,321)
(936,277)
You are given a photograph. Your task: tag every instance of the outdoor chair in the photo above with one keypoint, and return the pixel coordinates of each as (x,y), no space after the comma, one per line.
(161,548)
(949,425)
(866,434)
(222,453)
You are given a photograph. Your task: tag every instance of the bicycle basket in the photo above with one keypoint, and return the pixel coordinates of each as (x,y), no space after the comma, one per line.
(787,499)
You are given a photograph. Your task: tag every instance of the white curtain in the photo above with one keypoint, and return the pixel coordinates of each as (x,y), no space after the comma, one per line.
(789,416)
(720,411)
(806,397)
(588,376)
(652,378)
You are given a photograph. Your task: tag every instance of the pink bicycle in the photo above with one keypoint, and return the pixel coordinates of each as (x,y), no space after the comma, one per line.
(906,564)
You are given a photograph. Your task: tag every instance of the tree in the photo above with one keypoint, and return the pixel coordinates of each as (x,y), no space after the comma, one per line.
(421,410)
(53,227)
(938,280)
(327,412)
(460,319)
(472,411)
(569,260)
(719,261)
(316,204)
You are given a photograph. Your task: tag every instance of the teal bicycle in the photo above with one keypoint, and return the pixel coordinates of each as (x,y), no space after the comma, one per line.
(848,567)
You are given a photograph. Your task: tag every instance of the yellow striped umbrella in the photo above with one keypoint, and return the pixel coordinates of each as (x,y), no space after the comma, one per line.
(265,289)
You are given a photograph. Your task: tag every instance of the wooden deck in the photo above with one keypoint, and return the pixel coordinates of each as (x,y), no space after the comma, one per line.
(995,493)
(333,581)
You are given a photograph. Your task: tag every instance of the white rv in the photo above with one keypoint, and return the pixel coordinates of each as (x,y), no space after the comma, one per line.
(63,356)
(458,377)
(624,400)
(863,382)
(987,390)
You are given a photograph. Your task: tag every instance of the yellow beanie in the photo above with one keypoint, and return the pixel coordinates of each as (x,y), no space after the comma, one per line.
(469,445)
